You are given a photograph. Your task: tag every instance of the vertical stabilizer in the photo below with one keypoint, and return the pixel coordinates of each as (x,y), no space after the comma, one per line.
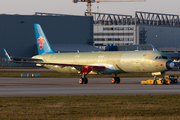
(42,42)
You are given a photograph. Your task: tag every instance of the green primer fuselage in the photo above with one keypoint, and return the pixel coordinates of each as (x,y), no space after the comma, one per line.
(115,62)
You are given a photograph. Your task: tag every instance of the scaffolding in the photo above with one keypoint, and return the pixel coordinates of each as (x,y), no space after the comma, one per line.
(141,18)
(111,19)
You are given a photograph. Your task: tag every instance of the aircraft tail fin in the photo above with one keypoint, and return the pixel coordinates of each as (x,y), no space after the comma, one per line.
(43,45)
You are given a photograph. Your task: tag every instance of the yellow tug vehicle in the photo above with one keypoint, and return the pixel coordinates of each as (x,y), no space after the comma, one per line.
(168,79)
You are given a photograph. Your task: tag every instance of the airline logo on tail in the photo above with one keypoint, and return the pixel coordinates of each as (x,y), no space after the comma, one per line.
(41,40)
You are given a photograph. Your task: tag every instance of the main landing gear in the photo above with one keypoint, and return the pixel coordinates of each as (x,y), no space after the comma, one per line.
(83,79)
(115,80)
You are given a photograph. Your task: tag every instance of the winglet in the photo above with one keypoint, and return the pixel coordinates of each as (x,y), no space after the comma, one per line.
(7,55)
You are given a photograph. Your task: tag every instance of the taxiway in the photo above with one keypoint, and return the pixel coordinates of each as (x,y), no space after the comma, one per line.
(10,87)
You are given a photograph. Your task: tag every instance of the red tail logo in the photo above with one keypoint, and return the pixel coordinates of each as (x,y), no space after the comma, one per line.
(41,40)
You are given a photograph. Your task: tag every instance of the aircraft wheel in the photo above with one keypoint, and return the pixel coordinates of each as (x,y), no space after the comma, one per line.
(118,80)
(113,80)
(81,80)
(85,80)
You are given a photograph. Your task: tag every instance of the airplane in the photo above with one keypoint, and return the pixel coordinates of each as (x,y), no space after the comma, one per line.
(85,63)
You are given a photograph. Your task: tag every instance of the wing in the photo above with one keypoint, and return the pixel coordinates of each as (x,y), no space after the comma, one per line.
(82,68)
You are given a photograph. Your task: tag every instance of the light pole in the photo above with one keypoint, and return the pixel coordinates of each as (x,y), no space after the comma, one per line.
(156,42)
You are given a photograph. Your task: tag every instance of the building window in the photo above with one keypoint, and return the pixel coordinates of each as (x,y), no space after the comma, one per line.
(131,39)
(98,44)
(118,28)
(131,28)
(101,34)
(106,28)
(125,28)
(99,39)
(126,39)
(117,39)
(121,39)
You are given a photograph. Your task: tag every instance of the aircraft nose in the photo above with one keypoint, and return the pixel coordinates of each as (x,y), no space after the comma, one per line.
(170,65)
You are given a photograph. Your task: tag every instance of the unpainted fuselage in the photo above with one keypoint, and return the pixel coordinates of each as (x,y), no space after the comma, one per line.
(115,62)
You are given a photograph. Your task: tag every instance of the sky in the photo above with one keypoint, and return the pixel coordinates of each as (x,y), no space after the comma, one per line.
(29,7)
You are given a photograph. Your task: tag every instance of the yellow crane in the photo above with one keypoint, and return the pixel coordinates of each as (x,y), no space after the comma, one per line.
(98,1)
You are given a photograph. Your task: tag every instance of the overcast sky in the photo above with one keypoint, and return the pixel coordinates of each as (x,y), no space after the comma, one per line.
(28,7)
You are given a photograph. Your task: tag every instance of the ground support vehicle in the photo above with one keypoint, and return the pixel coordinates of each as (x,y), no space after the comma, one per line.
(168,79)
(153,82)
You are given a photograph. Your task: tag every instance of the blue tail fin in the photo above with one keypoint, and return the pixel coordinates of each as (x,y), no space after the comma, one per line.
(42,42)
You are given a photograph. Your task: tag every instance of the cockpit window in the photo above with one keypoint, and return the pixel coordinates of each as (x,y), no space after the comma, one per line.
(164,57)
(161,57)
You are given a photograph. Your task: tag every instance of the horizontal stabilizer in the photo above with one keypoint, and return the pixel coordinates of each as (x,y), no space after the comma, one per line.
(25,59)
(20,59)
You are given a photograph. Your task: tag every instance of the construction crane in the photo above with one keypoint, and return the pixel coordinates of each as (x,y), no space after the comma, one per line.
(98,1)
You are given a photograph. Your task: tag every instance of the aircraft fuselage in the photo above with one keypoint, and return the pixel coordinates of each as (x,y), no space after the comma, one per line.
(115,62)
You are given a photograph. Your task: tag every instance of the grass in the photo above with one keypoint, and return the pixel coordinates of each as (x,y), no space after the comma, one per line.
(126,107)
(55,74)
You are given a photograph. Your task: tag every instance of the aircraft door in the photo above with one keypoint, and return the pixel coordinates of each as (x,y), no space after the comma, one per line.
(147,61)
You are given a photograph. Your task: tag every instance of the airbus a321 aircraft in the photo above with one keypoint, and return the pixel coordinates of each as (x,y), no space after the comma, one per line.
(86,63)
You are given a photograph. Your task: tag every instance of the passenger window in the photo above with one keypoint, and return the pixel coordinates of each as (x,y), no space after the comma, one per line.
(156,58)
(160,57)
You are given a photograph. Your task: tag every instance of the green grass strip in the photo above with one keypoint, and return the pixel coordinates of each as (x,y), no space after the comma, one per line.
(91,107)
(54,74)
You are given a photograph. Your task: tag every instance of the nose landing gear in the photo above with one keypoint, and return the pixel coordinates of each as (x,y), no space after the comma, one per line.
(115,80)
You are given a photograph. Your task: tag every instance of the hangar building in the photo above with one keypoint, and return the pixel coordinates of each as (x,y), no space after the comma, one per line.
(64,32)
(160,30)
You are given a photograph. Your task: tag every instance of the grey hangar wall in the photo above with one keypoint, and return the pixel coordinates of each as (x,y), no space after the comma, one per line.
(17,34)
